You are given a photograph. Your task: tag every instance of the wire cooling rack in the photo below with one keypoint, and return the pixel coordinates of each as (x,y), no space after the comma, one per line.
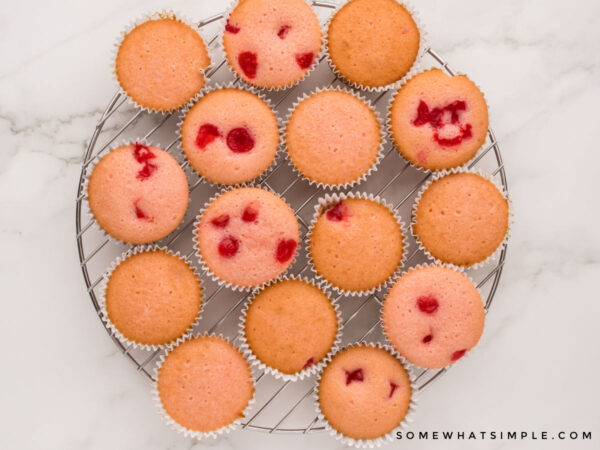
(281,407)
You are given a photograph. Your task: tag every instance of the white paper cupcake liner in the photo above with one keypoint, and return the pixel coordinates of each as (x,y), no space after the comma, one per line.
(206,268)
(388,437)
(390,134)
(102,303)
(86,179)
(199,435)
(305,373)
(441,174)
(413,69)
(421,266)
(165,14)
(242,87)
(290,85)
(331,199)
(382,141)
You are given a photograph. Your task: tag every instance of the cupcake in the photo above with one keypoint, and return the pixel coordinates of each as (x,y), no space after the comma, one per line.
(356,243)
(372,43)
(152,297)
(204,386)
(433,315)
(364,393)
(290,326)
(230,136)
(460,218)
(333,138)
(438,121)
(160,63)
(138,193)
(272,44)
(247,237)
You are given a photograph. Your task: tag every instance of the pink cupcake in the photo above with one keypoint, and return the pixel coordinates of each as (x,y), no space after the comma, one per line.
(247,237)
(138,193)
(272,44)
(230,136)
(364,394)
(204,386)
(433,315)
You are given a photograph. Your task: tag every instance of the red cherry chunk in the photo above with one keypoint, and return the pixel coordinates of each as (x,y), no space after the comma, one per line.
(231,28)
(354,375)
(142,153)
(427,339)
(458,354)
(220,221)
(439,117)
(465,133)
(228,246)
(140,213)
(239,140)
(285,250)
(248,63)
(336,213)
(206,134)
(393,387)
(428,304)
(309,363)
(146,171)
(250,214)
(305,60)
(283,31)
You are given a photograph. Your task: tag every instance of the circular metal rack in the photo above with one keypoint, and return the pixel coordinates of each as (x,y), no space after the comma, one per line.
(282,407)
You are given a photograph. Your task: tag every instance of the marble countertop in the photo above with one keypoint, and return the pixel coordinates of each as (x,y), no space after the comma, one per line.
(65,385)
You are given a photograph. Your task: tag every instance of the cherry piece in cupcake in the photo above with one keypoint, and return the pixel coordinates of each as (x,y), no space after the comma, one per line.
(364,392)
(230,136)
(258,243)
(373,43)
(153,297)
(461,219)
(356,244)
(333,138)
(272,43)
(138,193)
(438,121)
(160,63)
(204,384)
(427,338)
(290,326)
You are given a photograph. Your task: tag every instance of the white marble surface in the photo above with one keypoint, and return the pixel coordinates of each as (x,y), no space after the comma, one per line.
(65,386)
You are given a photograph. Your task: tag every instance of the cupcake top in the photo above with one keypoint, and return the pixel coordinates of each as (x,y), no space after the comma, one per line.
(373,43)
(153,297)
(138,193)
(433,315)
(160,63)
(272,43)
(364,392)
(230,136)
(461,218)
(247,236)
(333,137)
(290,325)
(356,244)
(438,121)
(205,384)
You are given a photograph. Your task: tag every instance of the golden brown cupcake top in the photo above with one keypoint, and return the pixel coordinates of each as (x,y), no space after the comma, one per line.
(373,43)
(461,219)
(356,244)
(291,325)
(160,63)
